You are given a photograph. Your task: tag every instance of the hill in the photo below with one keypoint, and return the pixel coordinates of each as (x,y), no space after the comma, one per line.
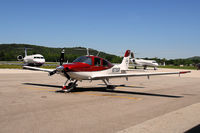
(9,52)
(194,58)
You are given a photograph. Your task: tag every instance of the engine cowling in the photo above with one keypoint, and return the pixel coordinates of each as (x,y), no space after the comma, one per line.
(20,58)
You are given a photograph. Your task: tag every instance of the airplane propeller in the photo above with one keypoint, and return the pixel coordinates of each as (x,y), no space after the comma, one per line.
(60,68)
(62,57)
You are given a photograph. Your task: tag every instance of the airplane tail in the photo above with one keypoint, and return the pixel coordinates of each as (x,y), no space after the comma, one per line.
(125,62)
(25,51)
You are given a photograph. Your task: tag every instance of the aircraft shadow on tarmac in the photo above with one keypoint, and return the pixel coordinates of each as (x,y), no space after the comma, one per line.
(104,89)
(44,85)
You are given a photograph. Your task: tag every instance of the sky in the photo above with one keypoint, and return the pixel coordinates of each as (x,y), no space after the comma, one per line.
(150,28)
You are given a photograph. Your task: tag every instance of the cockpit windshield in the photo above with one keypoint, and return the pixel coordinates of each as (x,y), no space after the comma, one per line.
(84,59)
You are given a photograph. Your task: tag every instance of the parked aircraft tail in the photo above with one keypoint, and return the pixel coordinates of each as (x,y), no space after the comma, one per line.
(125,62)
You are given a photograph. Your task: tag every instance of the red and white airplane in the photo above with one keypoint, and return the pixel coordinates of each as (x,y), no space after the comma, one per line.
(95,68)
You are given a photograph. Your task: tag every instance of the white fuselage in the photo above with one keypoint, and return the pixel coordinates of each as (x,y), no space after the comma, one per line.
(87,75)
(142,62)
(36,60)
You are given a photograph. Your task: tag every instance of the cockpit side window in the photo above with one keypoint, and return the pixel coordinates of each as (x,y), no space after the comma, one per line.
(97,61)
(105,63)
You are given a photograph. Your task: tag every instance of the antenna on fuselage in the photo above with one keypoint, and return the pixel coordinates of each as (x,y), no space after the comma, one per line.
(98,53)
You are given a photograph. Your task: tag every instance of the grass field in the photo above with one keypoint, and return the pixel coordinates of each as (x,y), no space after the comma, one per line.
(6,66)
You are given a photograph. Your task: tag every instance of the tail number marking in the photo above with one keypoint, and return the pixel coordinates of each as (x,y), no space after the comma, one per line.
(114,70)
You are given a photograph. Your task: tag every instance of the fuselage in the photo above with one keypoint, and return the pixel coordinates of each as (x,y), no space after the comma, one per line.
(85,67)
(142,62)
(34,60)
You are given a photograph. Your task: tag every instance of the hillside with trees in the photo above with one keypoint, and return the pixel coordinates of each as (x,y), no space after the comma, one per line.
(9,52)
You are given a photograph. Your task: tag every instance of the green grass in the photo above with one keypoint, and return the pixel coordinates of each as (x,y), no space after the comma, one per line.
(52,63)
(49,67)
(6,66)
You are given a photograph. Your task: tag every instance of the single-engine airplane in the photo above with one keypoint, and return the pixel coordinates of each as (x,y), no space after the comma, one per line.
(95,68)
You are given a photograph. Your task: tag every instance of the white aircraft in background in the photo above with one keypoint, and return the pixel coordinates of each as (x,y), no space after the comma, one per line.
(31,60)
(95,68)
(143,63)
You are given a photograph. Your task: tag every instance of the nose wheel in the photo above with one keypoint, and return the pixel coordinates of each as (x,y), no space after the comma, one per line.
(69,87)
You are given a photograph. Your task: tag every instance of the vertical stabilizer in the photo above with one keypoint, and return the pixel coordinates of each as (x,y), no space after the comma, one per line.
(25,49)
(125,62)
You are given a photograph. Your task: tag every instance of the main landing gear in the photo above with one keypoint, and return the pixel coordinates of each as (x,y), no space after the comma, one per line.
(72,85)
(109,86)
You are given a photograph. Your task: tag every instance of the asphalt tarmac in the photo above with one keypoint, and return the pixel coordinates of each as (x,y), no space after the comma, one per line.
(31,102)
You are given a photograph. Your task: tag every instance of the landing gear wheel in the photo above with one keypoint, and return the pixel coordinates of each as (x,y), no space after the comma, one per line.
(110,87)
(71,86)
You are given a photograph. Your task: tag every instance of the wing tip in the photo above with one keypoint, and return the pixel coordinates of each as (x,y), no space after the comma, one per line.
(183,72)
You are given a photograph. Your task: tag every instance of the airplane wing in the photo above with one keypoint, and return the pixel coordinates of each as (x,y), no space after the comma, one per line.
(38,69)
(136,74)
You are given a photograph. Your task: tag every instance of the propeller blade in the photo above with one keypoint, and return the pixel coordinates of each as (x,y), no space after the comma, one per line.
(52,73)
(67,75)
(62,57)
(88,53)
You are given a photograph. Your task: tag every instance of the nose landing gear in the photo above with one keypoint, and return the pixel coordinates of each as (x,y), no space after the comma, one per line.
(72,85)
